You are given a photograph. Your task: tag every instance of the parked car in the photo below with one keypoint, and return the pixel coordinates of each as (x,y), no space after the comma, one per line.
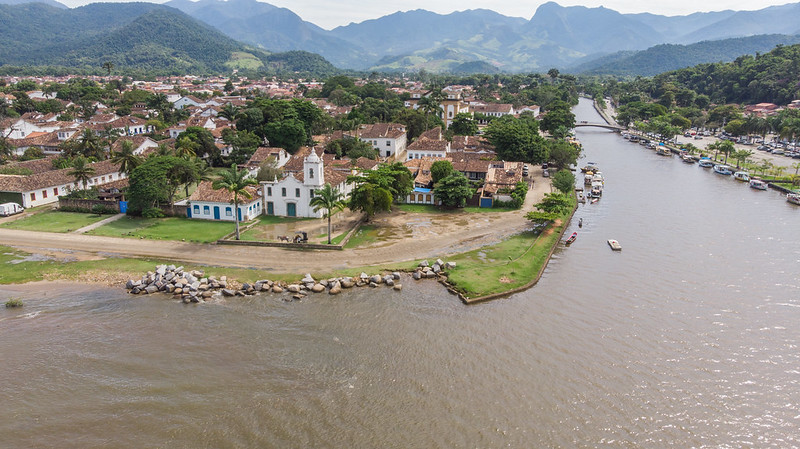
(545,173)
(7,209)
(698,137)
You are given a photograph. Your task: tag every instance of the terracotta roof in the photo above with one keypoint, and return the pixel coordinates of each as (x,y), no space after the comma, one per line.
(36,165)
(382,130)
(492,108)
(429,145)
(434,134)
(507,176)
(9,183)
(261,154)
(475,143)
(205,192)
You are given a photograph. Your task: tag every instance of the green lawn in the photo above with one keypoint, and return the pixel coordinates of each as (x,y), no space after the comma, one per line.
(54,221)
(170,228)
(510,264)
(365,235)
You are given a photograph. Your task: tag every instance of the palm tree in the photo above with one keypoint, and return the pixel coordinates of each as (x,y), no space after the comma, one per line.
(428,105)
(186,148)
(82,171)
(229,111)
(741,156)
(125,158)
(236,182)
(89,145)
(329,199)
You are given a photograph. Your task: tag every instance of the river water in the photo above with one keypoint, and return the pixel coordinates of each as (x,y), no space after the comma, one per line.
(686,338)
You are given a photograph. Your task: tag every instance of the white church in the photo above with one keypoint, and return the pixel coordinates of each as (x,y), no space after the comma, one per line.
(290,196)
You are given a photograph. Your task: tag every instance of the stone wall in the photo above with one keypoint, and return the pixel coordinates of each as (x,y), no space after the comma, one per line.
(73,204)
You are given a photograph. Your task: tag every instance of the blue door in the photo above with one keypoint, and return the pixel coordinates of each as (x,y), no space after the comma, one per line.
(270,208)
(216,212)
(123,207)
(291,210)
(239,213)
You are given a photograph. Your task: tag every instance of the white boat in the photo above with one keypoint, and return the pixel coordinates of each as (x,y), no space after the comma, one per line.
(722,169)
(597,189)
(758,184)
(587,179)
(615,246)
(741,176)
(706,162)
(793,198)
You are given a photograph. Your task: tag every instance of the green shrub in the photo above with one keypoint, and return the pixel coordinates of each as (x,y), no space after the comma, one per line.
(14,302)
(102,209)
(153,212)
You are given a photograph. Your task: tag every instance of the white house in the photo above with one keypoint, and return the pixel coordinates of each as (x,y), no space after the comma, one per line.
(209,204)
(280,155)
(188,101)
(46,185)
(387,138)
(290,196)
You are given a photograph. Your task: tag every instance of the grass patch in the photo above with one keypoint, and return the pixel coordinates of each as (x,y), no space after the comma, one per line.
(365,235)
(13,302)
(505,266)
(338,239)
(274,219)
(54,221)
(170,228)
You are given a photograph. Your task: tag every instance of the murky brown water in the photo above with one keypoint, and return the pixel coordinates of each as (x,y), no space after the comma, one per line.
(687,338)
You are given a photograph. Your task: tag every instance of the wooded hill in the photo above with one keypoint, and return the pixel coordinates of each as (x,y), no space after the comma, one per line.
(141,36)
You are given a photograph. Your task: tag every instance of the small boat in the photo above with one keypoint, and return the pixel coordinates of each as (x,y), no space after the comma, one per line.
(580,223)
(587,179)
(758,184)
(663,151)
(741,176)
(594,200)
(793,198)
(597,189)
(706,162)
(615,246)
(685,157)
(590,167)
(722,170)
(571,238)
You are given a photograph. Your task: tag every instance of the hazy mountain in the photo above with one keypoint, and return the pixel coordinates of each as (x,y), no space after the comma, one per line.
(271,28)
(772,20)
(668,57)
(142,36)
(672,28)
(590,30)
(46,2)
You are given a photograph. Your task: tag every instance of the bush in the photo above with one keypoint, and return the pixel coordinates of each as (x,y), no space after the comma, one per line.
(102,209)
(14,302)
(153,212)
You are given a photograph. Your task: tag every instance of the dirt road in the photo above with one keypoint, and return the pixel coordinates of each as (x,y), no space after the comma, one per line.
(467,232)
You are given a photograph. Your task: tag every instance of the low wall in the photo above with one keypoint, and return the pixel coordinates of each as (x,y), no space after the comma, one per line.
(70,203)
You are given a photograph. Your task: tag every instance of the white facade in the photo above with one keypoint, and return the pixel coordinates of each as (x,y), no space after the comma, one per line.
(50,194)
(211,210)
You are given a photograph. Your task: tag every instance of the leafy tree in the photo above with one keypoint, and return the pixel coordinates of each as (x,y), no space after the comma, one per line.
(350,147)
(90,145)
(540,218)
(82,171)
(32,153)
(329,199)
(564,181)
(376,189)
(125,158)
(370,198)
(153,183)
(453,190)
(517,139)
(556,121)
(268,170)
(464,125)
(741,156)
(441,170)
(243,143)
(562,154)
(556,203)
(236,182)
(205,146)
(289,134)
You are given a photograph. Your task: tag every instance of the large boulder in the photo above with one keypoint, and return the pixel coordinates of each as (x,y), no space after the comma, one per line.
(396,275)
(423,264)
(347,283)
(398,287)
(277,289)
(390,282)
(293,288)
(150,289)
(377,279)
(308,279)
(335,289)
(318,288)
(417,275)
(364,276)
(228,292)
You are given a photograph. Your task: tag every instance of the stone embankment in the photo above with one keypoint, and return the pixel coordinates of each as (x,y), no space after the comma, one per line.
(194,287)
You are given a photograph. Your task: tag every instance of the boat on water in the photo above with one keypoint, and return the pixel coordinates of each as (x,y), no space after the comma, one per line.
(741,176)
(587,178)
(615,246)
(793,198)
(722,170)
(685,157)
(571,238)
(705,162)
(663,151)
(758,184)
(590,167)
(597,189)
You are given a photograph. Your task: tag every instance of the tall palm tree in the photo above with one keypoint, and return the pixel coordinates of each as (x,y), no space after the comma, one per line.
(186,148)
(329,199)
(229,111)
(89,145)
(125,158)
(82,171)
(235,181)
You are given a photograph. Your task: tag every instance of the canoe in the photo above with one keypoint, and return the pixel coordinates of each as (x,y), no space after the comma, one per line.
(572,238)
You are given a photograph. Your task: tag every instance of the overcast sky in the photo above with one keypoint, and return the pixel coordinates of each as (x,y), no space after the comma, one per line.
(329,14)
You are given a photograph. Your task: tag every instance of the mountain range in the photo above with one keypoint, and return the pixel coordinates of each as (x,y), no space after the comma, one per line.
(573,39)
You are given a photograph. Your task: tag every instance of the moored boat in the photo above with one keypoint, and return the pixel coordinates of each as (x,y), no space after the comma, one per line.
(663,151)
(571,238)
(705,162)
(793,198)
(590,167)
(722,170)
(741,176)
(615,246)
(758,184)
